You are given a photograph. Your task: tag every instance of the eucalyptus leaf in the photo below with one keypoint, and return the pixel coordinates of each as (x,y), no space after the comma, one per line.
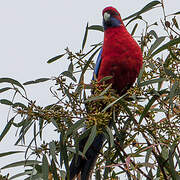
(69,75)
(96,27)
(6,129)
(55,58)
(36,81)
(19,175)
(54,170)
(11,81)
(85,37)
(134,29)
(114,102)
(75,127)
(10,153)
(4,89)
(152,81)
(21,163)
(111,137)
(146,109)
(90,139)
(166,46)
(52,148)
(6,102)
(157,42)
(45,169)
(146,8)
(176,13)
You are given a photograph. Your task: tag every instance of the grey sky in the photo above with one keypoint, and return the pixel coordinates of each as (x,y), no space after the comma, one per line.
(32,31)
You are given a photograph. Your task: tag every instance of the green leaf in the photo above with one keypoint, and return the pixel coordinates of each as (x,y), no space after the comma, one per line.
(147,107)
(96,27)
(176,13)
(140,74)
(19,175)
(63,174)
(52,148)
(85,37)
(105,79)
(107,169)
(45,169)
(36,81)
(133,19)
(111,137)
(157,42)
(173,93)
(24,129)
(169,72)
(75,127)
(167,61)
(148,7)
(104,91)
(69,75)
(148,154)
(41,122)
(71,68)
(165,152)
(153,33)
(6,102)
(98,174)
(55,58)
(166,46)
(21,163)
(54,171)
(38,168)
(96,98)
(54,123)
(9,153)
(171,163)
(152,81)
(11,81)
(64,155)
(74,151)
(4,89)
(177,159)
(150,174)
(134,29)
(114,102)
(6,129)
(18,104)
(90,139)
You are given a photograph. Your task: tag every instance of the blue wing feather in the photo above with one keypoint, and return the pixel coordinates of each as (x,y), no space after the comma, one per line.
(98,63)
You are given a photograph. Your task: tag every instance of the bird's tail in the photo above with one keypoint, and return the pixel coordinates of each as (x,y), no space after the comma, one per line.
(82,167)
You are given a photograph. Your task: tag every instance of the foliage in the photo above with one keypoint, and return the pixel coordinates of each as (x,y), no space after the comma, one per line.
(143,140)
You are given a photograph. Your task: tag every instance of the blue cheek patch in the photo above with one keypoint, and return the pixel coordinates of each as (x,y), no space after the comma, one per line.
(114,22)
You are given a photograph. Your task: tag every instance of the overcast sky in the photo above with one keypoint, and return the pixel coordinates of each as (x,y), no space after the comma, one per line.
(32,31)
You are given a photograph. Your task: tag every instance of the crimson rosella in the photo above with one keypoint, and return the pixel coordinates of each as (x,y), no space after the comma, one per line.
(121,58)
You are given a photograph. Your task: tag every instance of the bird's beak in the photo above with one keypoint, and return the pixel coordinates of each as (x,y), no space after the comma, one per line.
(107,16)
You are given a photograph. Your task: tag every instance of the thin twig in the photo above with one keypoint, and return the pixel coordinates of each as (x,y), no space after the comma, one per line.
(133,163)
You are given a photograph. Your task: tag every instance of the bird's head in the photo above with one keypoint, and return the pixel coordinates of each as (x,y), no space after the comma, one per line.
(111,18)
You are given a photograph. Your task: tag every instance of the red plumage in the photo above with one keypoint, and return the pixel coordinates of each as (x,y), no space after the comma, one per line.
(121,56)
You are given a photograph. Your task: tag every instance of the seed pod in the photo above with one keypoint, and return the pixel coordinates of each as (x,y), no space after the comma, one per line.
(167,24)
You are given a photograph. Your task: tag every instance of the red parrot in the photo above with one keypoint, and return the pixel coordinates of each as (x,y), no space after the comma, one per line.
(121,58)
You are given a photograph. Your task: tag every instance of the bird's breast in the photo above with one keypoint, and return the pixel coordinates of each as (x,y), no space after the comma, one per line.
(121,58)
